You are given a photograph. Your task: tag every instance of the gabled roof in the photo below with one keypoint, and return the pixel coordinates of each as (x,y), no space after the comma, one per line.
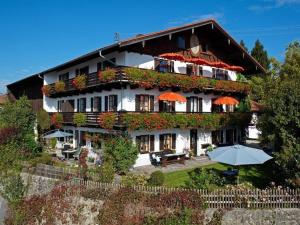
(145,37)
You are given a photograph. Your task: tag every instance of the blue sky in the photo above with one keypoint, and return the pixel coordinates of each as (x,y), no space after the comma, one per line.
(38,34)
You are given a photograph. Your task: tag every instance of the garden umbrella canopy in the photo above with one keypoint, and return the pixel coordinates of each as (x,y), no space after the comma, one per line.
(172,56)
(226,101)
(172,97)
(239,155)
(57,134)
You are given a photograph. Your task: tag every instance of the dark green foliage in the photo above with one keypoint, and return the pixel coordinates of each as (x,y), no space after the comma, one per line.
(182,218)
(260,54)
(244,105)
(106,172)
(280,123)
(157,178)
(121,151)
(201,178)
(242,43)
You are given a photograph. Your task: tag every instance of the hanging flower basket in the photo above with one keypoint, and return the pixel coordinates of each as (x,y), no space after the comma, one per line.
(79,119)
(79,82)
(107,120)
(59,86)
(46,90)
(107,75)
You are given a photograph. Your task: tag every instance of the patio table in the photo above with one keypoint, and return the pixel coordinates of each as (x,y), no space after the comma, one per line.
(68,152)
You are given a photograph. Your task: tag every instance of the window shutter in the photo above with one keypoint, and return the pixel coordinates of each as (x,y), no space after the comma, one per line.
(99,104)
(156,64)
(188,104)
(173,141)
(115,102)
(99,66)
(106,104)
(77,72)
(84,104)
(151,143)
(137,103)
(173,107)
(161,105)
(200,104)
(78,106)
(92,104)
(161,142)
(138,142)
(151,103)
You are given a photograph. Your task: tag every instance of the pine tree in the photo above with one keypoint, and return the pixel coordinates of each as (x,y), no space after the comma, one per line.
(243,44)
(260,54)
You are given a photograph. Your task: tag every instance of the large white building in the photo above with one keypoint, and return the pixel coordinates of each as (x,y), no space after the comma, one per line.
(123,83)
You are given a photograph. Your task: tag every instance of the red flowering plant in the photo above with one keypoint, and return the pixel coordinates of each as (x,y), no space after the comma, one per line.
(46,90)
(82,165)
(79,82)
(107,120)
(59,86)
(57,120)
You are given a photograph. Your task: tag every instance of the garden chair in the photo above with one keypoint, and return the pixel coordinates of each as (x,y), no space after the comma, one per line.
(77,154)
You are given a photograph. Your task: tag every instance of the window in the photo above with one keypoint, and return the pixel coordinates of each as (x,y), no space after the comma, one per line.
(166,106)
(217,137)
(220,74)
(229,108)
(167,141)
(145,143)
(181,42)
(200,70)
(216,108)
(144,103)
(111,103)
(194,104)
(82,71)
(109,64)
(64,76)
(81,105)
(99,66)
(96,103)
(189,69)
(60,104)
(164,66)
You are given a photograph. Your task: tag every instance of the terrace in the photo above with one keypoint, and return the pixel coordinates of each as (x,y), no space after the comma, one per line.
(121,76)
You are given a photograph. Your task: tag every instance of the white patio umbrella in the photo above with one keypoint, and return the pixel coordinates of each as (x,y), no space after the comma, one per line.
(237,155)
(57,134)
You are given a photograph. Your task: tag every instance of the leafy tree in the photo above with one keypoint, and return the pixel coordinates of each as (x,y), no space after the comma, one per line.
(242,43)
(9,158)
(122,152)
(18,114)
(260,54)
(43,120)
(280,122)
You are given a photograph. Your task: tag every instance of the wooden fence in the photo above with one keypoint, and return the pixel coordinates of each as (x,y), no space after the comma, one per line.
(221,198)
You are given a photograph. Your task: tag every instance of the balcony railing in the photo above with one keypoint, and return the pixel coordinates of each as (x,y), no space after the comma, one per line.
(148,79)
(159,120)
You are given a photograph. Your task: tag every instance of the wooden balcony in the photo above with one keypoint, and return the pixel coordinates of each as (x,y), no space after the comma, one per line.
(158,120)
(149,79)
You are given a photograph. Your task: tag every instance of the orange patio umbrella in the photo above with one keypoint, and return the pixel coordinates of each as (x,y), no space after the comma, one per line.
(226,101)
(235,68)
(172,56)
(172,97)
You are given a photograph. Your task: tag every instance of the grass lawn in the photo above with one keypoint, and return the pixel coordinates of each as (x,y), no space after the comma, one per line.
(258,175)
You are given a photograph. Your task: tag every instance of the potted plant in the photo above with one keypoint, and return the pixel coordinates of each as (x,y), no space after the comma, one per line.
(59,86)
(79,82)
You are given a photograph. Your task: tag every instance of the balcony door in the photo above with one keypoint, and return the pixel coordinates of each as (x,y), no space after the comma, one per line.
(193,140)
(68,106)
(194,104)
(166,106)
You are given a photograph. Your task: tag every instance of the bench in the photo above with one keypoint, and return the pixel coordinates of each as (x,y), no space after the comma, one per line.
(171,158)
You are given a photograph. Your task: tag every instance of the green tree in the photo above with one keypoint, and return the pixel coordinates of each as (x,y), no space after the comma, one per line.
(122,152)
(43,120)
(280,122)
(260,54)
(242,43)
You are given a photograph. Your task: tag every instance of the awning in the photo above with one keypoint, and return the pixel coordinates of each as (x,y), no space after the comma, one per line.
(226,101)
(172,56)
(172,97)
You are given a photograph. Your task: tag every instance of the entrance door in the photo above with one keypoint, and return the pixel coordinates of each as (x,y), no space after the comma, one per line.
(193,141)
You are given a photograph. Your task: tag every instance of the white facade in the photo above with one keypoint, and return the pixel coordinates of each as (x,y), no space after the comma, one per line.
(126,100)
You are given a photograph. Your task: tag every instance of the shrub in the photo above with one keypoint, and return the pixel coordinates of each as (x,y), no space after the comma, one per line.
(122,152)
(53,142)
(201,178)
(44,158)
(82,165)
(59,86)
(79,119)
(133,180)
(79,82)
(7,134)
(106,172)
(157,178)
